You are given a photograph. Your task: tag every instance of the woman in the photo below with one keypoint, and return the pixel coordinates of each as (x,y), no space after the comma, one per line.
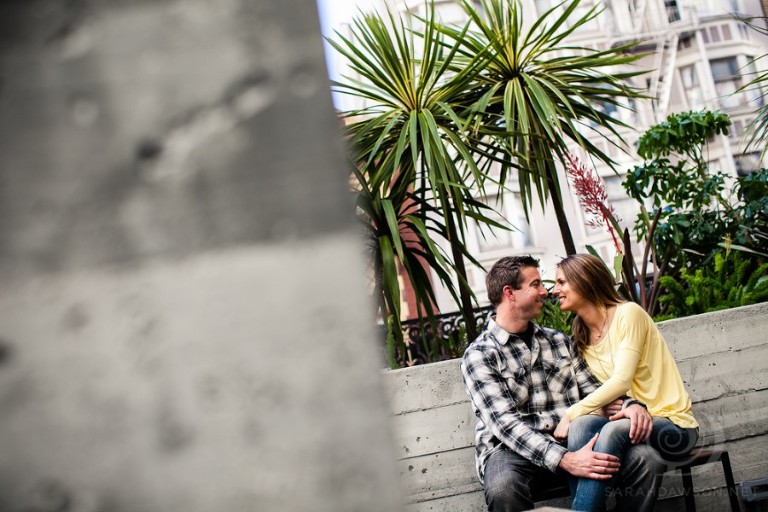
(627,353)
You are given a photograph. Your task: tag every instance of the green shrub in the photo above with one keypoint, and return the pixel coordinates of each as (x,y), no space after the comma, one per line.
(553,317)
(729,281)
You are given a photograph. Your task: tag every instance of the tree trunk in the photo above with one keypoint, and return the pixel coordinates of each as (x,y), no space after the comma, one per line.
(465,295)
(562,220)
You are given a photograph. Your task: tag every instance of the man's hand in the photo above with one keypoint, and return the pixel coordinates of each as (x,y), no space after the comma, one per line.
(561,432)
(586,463)
(640,422)
(613,408)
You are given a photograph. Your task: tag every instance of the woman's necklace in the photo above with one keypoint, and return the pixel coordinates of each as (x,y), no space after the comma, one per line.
(602,329)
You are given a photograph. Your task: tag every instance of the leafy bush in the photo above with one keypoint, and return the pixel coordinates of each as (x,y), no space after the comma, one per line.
(730,281)
(694,214)
(553,317)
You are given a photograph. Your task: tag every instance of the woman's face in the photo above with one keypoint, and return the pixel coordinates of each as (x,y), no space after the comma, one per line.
(570,299)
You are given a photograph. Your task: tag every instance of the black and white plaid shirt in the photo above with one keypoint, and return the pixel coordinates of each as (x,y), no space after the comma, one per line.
(519,395)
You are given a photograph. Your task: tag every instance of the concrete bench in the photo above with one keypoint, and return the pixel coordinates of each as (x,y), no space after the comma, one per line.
(722,358)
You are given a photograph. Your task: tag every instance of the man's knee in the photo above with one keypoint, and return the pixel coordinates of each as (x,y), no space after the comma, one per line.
(645,456)
(507,485)
(508,491)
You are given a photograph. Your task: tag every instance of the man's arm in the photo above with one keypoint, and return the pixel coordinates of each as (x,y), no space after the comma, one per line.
(498,409)
(586,463)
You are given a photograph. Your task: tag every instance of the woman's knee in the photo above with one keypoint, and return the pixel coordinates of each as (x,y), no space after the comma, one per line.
(614,437)
(584,428)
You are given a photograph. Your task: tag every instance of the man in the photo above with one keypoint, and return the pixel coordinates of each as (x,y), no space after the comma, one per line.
(521,379)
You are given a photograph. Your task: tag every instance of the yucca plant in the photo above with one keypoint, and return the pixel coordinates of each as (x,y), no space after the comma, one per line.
(413,158)
(536,92)
(756,132)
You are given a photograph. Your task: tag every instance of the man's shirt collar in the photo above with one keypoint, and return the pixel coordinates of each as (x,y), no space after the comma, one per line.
(501,336)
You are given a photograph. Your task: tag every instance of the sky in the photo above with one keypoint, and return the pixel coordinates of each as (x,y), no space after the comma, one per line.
(335,12)
(332,14)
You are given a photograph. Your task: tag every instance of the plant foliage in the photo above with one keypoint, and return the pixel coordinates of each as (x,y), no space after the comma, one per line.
(756,132)
(535,92)
(689,202)
(412,159)
(729,281)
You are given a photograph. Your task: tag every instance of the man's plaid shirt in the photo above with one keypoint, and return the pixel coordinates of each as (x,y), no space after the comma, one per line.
(519,395)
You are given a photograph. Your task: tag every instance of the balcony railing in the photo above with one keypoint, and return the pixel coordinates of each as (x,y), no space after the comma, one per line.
(423,345)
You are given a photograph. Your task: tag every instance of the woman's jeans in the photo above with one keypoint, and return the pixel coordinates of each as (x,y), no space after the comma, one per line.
(671,441)
(511,481)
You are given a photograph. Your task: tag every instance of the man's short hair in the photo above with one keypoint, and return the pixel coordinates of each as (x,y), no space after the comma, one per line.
(506,272)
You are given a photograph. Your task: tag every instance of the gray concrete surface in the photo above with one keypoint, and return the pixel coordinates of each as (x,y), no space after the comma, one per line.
(183,314)
(722,358)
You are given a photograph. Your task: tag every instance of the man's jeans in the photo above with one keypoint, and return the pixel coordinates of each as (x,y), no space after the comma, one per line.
(671,442)
(510,480)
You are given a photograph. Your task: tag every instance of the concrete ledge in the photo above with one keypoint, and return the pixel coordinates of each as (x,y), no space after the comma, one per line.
(722,357)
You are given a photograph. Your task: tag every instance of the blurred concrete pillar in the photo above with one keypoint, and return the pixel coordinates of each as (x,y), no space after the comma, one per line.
(183,323)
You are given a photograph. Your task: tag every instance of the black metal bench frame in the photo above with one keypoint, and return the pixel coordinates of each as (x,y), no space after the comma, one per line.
(697,457)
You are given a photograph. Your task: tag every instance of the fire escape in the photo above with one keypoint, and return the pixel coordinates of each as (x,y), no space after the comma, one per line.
(658,25)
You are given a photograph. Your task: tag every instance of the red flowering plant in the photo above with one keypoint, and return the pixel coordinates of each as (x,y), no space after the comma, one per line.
(593,197)
(636,284)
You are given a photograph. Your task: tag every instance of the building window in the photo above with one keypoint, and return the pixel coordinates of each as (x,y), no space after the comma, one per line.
(714,33)
(725,73)
(743,31)
(753,94)
(726,32)
(747,163)
(673,11)
(737,128)
(692,86)
(626,208)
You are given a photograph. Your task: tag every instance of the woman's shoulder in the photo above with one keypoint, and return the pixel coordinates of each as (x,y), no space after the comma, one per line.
(632,310)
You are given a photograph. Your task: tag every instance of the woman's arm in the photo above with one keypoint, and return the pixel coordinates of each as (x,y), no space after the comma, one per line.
(617,385)
(631,329)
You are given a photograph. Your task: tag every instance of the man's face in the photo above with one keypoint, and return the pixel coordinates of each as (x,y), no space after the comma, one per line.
(529,298)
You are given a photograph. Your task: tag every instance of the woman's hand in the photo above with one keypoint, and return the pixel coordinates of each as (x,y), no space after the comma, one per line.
(640,422)
(613,408)
(561,432)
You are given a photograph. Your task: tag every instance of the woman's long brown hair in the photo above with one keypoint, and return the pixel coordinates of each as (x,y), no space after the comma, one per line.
(591,279)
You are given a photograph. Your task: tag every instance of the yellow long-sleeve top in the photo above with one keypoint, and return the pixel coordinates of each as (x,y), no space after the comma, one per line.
(633,359)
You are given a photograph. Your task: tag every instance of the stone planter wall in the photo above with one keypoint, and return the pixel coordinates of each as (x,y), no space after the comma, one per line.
(723,358)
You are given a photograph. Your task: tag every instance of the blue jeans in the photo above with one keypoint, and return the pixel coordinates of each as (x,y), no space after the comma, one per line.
(511,480)
(669,440)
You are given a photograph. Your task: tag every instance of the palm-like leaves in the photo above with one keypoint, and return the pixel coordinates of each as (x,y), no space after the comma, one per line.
(756,132)
(535,93)
(413,157)
(490,93)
